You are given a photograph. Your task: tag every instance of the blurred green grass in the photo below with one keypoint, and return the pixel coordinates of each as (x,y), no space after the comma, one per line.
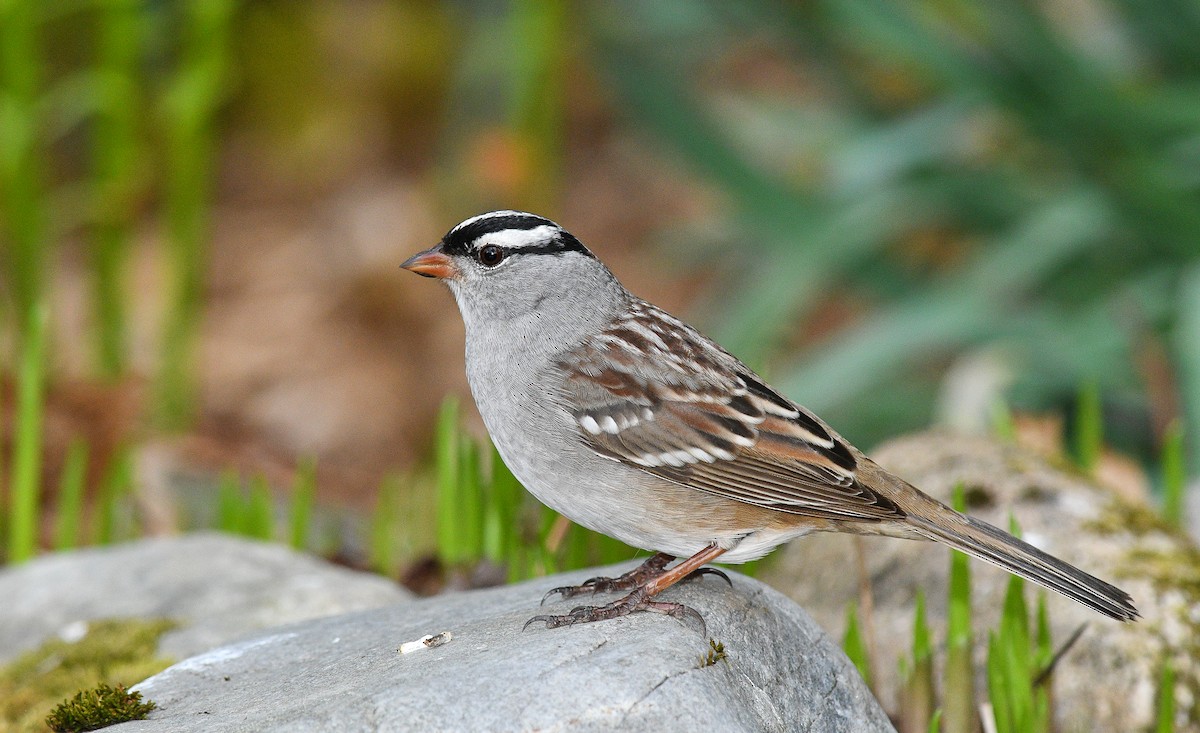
(961,174)
(901,185)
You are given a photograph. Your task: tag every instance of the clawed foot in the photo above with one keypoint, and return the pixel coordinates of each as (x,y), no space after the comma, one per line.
(635,601)
(652,568)
(643,582)
(635,578)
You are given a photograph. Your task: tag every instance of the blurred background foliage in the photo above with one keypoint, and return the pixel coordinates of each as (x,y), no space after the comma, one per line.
(901,212)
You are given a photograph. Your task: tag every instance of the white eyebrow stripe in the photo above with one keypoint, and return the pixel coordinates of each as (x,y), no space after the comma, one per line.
(517,239)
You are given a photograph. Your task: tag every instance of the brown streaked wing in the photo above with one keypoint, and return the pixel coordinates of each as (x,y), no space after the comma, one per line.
(708,423)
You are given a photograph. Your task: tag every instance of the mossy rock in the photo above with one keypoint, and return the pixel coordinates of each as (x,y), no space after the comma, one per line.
(106,652)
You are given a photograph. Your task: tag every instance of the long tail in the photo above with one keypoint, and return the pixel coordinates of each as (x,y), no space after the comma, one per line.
(982,540)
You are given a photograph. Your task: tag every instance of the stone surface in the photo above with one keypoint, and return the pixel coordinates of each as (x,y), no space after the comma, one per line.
(1109,679)
(640,673)
(217,586)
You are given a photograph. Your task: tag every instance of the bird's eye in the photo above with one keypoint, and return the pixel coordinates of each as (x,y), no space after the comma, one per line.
(490,255)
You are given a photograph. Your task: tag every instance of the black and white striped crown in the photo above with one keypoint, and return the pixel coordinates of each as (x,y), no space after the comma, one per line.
(517,232)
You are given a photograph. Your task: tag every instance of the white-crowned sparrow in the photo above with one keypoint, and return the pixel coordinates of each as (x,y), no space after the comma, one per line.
(631,423)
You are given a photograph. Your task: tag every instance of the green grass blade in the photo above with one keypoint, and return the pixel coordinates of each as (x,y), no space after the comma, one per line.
(855,646)
(113,488)
(1164,712)
(1043,656)
(1089,427)
(958,617)
(115,174)
(229,503)
(190,104)
(958,698)
(300,512)
(24,215)
(1174,473)
(25,486)
(447,465)
(70,497)
(502,533)
(472,502)
(998,686)
(1014,621)
(383,547)
(917,693)
(1043,644)
(537,101)
(259,518)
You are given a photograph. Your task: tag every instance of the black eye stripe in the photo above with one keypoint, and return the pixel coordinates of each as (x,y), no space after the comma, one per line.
(554,247)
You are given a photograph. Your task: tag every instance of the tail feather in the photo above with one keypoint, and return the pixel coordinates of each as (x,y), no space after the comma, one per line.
(988,543)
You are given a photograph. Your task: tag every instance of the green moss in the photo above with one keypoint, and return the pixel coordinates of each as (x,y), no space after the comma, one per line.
(113,651)
(98,708)
(716,652)
(1120,516)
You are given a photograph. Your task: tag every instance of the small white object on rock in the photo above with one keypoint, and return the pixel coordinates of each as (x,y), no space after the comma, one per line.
(428,641)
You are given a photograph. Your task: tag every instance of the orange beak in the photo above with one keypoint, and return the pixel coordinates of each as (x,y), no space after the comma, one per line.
(432,263)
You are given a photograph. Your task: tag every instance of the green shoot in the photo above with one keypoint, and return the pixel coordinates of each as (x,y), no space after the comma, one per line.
(229,503)
(1174,473)
(117,481)
(502,533)
(916,677)
(25,485)
(1043,649)
(1015,660)
(1089,427)
(258,521)
(190,105)
(470,499)
(1164,718)
(383,548)
(958,699)
(854,645)
(304,494)
(70,497)
(447,465)
(21,161)
(115,175)
(537,101)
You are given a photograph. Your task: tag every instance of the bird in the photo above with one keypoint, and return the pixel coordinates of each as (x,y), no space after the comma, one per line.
(630,422)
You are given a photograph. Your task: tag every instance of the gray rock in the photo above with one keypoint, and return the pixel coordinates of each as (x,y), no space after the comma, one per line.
(640,673)
(1109,679)
(218,587)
